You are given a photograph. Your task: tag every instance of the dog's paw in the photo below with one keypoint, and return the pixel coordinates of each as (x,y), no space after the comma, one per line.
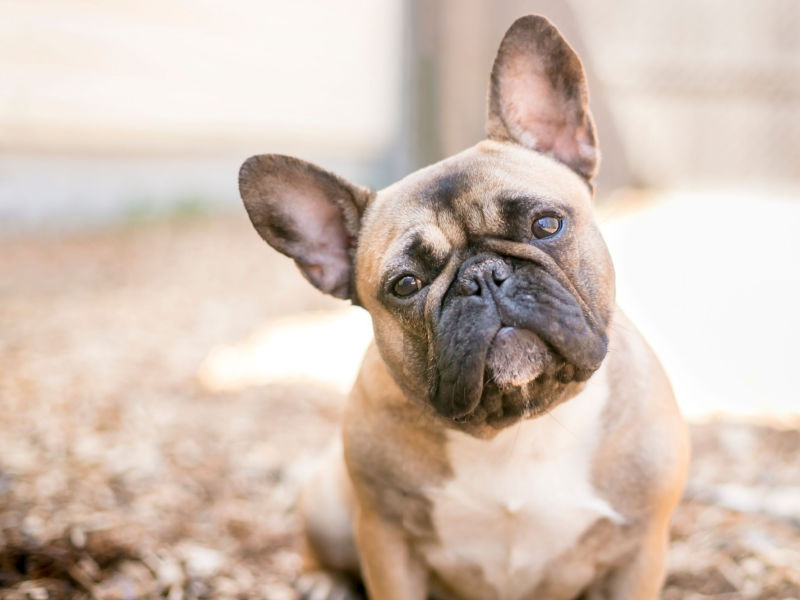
(325,585)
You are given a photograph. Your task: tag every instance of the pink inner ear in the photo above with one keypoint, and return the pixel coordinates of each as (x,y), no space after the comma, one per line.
(531,105)
(324,250)
(542,117)
(306,213)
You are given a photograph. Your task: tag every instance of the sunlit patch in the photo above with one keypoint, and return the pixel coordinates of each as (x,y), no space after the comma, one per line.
(719,303)
(323,347)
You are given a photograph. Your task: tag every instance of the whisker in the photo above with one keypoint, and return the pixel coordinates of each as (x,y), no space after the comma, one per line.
(514,441)
(564,427)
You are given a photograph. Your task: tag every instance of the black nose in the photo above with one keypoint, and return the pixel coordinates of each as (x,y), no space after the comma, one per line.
(480,272)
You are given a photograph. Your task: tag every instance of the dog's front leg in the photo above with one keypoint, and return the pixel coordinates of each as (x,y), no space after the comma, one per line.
(639,579)
(390,569)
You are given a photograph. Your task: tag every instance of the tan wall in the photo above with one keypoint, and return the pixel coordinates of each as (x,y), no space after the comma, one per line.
(702,91)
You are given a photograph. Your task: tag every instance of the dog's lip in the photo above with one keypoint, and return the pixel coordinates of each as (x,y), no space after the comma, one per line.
(516,356)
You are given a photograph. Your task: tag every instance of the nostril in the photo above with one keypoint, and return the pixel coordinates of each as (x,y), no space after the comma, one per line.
(470,287)
(479,272)
(499,274)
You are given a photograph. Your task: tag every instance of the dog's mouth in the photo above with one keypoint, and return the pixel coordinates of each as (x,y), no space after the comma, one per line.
(512,350)
(523,377)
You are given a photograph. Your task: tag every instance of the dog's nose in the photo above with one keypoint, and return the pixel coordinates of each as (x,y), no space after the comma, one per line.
(480,272)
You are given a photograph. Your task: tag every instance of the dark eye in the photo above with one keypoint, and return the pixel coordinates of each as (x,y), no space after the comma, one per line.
(546,226)
(406,285)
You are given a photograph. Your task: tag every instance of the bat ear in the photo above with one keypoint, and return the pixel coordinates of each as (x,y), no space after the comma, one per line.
(538,96)
(308,214)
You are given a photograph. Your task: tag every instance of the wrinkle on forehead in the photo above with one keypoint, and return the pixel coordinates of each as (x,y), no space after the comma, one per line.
(427,238)
(478,173)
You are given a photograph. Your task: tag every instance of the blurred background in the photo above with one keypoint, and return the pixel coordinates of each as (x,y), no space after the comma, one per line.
(167,381)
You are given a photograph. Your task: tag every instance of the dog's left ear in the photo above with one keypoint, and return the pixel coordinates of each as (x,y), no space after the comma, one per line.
(538,96)
(308,214)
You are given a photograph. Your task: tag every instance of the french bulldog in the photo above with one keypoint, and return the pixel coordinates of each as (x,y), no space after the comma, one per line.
(510,434)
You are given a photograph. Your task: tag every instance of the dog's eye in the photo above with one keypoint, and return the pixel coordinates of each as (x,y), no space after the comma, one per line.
(546,226)
(406,285)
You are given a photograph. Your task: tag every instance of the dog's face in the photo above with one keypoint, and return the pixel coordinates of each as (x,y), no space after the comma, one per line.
(489,285)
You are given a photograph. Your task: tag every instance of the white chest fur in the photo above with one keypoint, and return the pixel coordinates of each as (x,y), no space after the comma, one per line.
(519,500)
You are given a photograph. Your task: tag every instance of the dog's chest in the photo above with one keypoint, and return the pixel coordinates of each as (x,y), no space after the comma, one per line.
(517,502)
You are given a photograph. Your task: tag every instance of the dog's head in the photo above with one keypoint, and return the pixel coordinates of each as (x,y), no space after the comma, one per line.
(489,285)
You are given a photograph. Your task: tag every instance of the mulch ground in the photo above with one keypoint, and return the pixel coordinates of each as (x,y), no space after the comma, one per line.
(122,477)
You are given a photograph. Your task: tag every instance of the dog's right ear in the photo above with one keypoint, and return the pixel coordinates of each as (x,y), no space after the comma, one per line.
(308,214)
(538,96)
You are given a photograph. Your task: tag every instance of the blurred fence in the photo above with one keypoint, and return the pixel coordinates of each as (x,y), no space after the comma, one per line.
(704,91)
(104,106)
(684,92)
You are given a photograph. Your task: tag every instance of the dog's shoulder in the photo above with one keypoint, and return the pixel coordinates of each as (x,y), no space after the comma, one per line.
(393,448)
(645,431)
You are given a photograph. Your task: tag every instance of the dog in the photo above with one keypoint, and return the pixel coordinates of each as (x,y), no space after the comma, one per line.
(510,434)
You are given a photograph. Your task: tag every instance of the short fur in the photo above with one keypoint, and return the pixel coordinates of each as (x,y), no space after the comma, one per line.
(510,435)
